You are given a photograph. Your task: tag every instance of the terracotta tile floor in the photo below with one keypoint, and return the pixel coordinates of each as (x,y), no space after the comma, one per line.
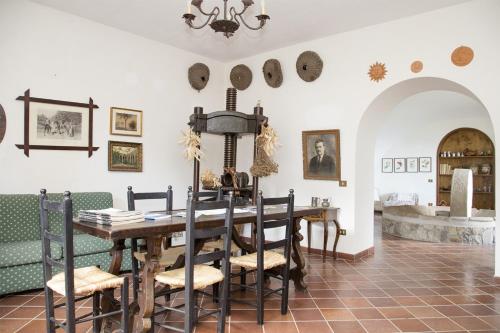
(407,286)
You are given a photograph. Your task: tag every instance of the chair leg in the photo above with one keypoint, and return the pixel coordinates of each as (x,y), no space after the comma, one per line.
(243,277)
(195,307)
(49,313)
(215,287)
(96,298)
(124,306)
(260,296)
(284,295)
(308,236)
(224,305)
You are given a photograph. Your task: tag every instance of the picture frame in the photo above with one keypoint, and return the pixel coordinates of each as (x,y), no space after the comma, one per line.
(425,164)
(321,154)
(399,165)
(125,156)
(412,164)
(51,124)
(127,122)
(387,165)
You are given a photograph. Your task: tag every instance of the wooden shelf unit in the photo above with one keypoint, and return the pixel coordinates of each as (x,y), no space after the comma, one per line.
(473,140)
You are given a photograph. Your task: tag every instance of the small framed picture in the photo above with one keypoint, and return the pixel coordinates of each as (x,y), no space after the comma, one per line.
(399,165)
(387,165)
(412,164)
(125,122)
(124,156)
(425,164)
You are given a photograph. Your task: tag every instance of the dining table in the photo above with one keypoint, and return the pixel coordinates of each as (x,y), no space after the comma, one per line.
(155,231)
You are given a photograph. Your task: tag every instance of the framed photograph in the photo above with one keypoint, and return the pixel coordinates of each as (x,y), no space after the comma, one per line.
(425,164)
(387,165)
(412,164)
(321,154)
(399,165)
(125,122)
(57,125)
(124,156)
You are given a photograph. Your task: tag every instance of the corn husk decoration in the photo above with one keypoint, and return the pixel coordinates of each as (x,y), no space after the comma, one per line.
(192,142)
(210,180)
(267,142)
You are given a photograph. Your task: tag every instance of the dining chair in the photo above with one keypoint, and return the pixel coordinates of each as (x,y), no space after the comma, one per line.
(168,256)
(196,275)
(266,261)
(74,284)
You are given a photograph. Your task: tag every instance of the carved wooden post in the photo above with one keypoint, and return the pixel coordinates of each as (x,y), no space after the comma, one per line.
(198,110)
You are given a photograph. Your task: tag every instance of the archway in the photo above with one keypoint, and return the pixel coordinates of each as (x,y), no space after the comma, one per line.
(373,118)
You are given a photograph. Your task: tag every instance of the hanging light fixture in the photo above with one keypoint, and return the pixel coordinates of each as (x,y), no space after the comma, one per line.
(229,22)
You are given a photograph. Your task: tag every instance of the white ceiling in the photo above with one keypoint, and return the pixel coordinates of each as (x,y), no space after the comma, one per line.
(292,21)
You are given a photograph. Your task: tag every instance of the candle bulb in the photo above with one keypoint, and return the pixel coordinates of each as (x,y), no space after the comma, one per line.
(263,6)
(188,4)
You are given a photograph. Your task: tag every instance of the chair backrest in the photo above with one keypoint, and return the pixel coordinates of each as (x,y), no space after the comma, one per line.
(207,195)
(264,223)
(65,240)
(193,234)
(168,196)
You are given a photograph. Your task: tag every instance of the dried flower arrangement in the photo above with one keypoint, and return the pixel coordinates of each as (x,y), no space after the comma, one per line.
(210,180)
(192,142)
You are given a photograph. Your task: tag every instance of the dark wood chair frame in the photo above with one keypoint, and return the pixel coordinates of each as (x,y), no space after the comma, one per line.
(131,198)
(195,238)
(67,264)
(281,273)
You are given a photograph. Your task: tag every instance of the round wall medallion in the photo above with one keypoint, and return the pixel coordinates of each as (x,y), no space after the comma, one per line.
(417,66)
(3,123)
(241,77)
(272,73)
(309,66)
(462,56)
(198,76)
(377,72)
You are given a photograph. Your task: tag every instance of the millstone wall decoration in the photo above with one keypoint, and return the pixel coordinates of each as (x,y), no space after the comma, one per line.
(417,66)
(377,72)
(241,77)
(462,56)
(198,76)
(3,123)
(272,73)
(309,66)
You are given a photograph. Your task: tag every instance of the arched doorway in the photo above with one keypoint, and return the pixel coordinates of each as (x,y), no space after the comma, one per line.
(372,120)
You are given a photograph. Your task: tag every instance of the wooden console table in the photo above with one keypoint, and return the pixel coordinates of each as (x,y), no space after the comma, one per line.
(326,215)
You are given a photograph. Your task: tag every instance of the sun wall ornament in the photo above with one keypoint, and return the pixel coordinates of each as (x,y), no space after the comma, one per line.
(377,72)
(462,56)
(191,142)
(417,66)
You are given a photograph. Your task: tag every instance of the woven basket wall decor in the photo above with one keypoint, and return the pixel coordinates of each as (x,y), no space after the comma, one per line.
(272,73)
(241,77)
(198,76)
(3,123)
(309,66)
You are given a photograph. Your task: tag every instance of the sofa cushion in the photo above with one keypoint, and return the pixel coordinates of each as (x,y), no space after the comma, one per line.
(19,218)
(25,252)
(86,244)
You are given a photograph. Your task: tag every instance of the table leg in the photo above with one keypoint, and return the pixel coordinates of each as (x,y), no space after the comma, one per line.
(337,236)
(308,236)
(298,273)
(325,238)
(150,268)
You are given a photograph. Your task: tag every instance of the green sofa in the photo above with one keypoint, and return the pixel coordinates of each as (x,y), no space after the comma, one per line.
(21,246)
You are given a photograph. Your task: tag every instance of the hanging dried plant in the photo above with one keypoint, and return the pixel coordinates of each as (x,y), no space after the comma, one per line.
(192,142)
(269,139)
(210,180)
(266,142)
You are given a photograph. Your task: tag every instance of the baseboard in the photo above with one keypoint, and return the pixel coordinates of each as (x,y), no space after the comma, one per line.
(340,255)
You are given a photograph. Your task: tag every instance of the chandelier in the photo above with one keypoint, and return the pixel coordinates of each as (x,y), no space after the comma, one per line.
(229,22)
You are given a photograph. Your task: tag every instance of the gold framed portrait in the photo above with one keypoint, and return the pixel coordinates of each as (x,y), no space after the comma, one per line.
(321,154)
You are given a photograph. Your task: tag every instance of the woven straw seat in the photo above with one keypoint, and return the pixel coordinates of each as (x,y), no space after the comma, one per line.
(87,281)
(204,276)
(271,259)
(168,257)
(219,245)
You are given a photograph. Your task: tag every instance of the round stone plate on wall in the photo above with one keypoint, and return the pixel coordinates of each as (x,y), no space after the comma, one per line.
(3,123)
(309,66)
(272,73)
(198,76)
(462,56)
(241,77)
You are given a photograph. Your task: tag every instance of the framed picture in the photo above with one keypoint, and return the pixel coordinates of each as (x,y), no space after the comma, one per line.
(412,164)
(57,125)
(321,154)
(387,165)
(425,164)
(125,122)
(124,156)
(399,165)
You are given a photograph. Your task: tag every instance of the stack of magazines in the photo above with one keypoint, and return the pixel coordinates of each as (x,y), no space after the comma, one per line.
(111,216)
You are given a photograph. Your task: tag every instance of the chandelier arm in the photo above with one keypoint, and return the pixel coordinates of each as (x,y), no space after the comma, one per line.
(261,24)
(232,13)
(198,5)
(211,16)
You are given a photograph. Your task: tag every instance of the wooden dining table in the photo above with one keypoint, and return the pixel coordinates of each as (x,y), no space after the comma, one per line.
(154,232)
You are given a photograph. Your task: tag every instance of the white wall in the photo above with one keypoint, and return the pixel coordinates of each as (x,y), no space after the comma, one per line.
(414,129)
(60,56)
(340,97)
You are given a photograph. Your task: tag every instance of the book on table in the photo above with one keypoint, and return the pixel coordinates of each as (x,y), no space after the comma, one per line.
(111,216)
